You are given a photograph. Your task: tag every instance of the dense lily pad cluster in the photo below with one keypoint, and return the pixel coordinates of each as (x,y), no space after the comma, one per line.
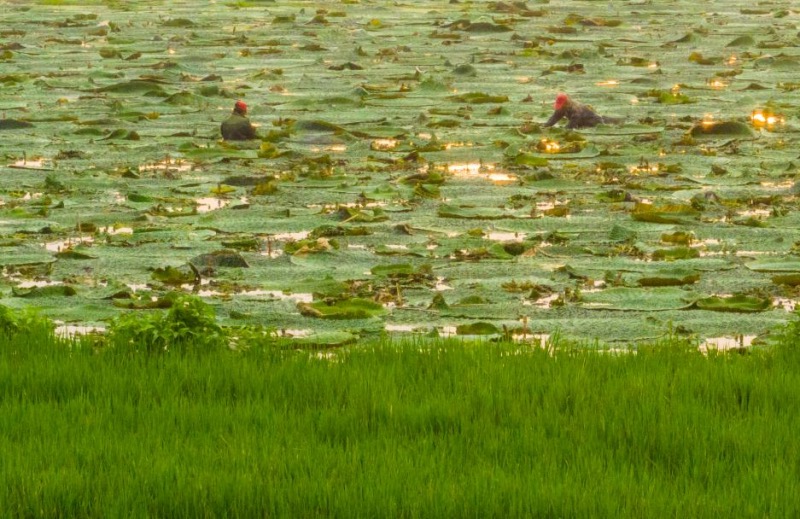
(402,180)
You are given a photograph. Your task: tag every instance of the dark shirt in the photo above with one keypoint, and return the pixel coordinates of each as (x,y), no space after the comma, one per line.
(237,128)
(579,116)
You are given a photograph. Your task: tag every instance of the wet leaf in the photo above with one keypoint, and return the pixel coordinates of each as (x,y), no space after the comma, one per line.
(46,291)
(345,309)
(220,258)
(479,98)
(641,299)
(332,339)
(737,303)
(718,129)
(478,328)
(679,214)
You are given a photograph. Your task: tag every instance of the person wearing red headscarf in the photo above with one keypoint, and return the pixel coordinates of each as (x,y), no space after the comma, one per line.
(237,126)
(578,115)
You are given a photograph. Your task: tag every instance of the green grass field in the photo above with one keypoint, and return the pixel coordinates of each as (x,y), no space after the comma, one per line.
(397,429)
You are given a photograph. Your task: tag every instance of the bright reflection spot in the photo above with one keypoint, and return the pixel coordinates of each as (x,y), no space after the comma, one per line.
(167,164)
(504,236)
(407,328)
(653,65)
(384,144)
(549,146)
(717,84)
(451,145)
(502,178)
(62,245)
(543,302)
(643,167)
(471,168)
(30,164)
(441,286)
(337,148)
(787,304)
(608,83)
(540,340)
(204,205)
(447,331)
(286,236)
(723,344)
(756,213)
(68,330)
(112,230)
(489,172)
(765,119)
(38,284)
(786,184)
(732,60)
(296,334)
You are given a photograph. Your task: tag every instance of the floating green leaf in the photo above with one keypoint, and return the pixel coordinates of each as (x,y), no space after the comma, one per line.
(354,308)
(737,303)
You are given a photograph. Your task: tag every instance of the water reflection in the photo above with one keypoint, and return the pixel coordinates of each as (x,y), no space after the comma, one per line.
(69,330)
(384,144)
(723,344)
(62,245)
(167,164)
(482,170)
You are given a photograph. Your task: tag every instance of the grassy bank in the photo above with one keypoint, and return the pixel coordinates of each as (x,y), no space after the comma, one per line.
(396,430)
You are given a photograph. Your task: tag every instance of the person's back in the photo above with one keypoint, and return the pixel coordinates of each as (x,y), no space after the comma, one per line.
(237,127)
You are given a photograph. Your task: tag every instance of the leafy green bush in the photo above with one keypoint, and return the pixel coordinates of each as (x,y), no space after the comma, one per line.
(13,322)
(188,325)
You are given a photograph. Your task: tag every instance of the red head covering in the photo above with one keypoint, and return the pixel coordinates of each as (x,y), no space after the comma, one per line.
(240,107)
(561,100)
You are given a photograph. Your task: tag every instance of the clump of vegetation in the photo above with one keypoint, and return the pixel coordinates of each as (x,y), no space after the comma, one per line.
(189,325)
(14,322)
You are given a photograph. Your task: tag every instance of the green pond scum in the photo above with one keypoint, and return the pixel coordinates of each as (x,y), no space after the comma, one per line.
(402,166)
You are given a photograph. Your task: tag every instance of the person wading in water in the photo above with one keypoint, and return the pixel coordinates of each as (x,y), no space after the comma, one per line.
(578,115)
(237,126)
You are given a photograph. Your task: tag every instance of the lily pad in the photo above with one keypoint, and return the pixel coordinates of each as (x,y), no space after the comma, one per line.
(354,308)
(669,277)
(730,129)
(485,213)
(775,265)
(640,299)
(478,328)
(737,303)
(45,291)
(331,339)
(220,258)
(679,214)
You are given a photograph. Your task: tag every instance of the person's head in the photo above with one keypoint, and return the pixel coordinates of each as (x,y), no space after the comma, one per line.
(561,101)
(240,108)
